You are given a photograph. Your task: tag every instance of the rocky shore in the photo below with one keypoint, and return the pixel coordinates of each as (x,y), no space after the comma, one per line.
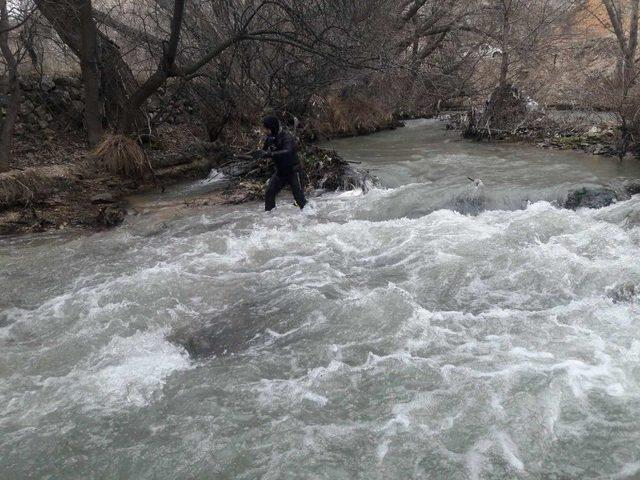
(82,195)
(591,132)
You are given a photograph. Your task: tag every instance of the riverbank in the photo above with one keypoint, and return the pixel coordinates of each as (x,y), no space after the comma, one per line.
(591,132)
(80,194)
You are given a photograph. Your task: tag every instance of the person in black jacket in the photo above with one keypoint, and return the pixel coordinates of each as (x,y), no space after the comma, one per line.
(281,147)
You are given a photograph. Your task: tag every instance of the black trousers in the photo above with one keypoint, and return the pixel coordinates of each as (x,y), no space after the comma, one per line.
(278,181)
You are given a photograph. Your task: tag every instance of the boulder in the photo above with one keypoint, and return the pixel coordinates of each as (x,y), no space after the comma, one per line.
(591,197)
(632,187)
(624,292)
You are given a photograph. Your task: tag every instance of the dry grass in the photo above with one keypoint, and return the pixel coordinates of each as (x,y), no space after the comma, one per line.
(22,187)
(350,115)
(17,188)
(123,156)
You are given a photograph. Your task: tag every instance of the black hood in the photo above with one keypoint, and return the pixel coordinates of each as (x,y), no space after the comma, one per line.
(273,124)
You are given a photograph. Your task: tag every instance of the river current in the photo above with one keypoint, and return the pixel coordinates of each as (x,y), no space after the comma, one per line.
(434,328)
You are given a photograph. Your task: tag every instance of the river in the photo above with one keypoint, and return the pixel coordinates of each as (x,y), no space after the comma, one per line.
(432,328)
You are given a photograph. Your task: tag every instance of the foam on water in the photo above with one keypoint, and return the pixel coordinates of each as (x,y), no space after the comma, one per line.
(382,337)
(130,371)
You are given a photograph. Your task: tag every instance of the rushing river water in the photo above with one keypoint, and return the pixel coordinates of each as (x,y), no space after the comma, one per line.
(432,328)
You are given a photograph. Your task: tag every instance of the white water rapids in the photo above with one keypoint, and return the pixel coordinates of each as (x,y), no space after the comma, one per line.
(428,329)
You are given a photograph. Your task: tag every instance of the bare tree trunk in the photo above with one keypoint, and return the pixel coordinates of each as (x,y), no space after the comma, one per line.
(630,56)
(628,45)
(504,70)
(160,76)
(506,30)
(90,73)
(6,132)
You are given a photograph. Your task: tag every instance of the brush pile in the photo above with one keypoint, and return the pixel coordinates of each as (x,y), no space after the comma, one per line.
(323,170)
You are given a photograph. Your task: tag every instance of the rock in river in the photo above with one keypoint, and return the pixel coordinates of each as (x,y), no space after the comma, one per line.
(591,197)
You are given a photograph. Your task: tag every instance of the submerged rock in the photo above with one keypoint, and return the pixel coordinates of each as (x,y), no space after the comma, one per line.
(632,187)
(591,197)
(219,337)
(625,292)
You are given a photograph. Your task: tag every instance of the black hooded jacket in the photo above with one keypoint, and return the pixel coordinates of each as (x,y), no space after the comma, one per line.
(282,147)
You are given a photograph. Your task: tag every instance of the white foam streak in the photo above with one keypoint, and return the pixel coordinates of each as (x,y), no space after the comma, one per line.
(131,370)
(509,451)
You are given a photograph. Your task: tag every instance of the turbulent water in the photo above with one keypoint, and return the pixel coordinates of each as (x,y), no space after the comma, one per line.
(433,328)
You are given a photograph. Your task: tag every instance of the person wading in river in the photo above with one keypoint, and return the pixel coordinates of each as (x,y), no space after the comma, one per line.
(281,147)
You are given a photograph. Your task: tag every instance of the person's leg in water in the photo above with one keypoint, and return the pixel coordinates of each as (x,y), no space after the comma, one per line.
(273,188)
(296,187)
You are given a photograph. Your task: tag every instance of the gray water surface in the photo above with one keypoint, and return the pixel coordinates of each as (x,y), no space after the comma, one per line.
(427,329)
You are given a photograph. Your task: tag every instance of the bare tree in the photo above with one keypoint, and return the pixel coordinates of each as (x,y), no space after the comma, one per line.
(13,88)
(117,81)
(185,52)
(90,72)
(624,22)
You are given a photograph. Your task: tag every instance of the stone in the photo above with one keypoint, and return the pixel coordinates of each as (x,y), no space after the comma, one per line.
(110,216)
(41,111)
(47,84)
(26,107)
(591,197)
(624,292)
(632,187)
(26,87)
(77,106)
(59,100)
(102,198)
(594,132)
(66,82)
